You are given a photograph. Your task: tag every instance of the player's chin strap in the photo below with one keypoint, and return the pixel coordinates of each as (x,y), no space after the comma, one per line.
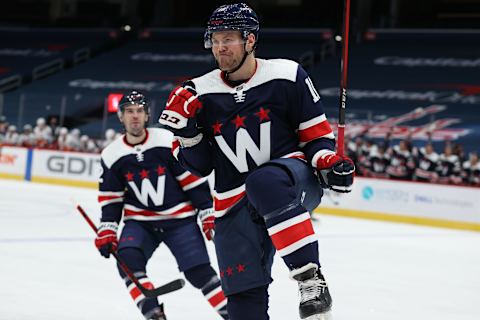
(245,55)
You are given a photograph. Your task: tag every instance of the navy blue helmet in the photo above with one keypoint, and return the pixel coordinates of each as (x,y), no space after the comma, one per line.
(238,16)
(133,97)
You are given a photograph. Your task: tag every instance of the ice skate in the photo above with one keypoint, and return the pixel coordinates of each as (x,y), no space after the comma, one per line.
(156,314)
(315,300)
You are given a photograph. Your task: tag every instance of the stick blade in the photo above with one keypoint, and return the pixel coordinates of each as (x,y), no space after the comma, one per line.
(171,286)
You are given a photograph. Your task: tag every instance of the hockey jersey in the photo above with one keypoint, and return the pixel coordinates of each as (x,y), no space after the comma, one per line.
(471,172)
(427,166)
(276,113)
(145,182)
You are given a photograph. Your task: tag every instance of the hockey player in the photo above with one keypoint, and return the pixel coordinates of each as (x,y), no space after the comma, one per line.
(260,124)
(401,161)
(471,170)
(427,163)
(449,166)
(159,201)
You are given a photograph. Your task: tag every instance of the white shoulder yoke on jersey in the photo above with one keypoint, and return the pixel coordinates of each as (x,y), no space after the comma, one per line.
(267,70)
(157,137)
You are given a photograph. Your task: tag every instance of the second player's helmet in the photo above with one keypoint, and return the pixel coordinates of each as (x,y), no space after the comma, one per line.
(133,97)
(238,16)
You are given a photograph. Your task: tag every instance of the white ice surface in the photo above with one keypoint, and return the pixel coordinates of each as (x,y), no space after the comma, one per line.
(50,269)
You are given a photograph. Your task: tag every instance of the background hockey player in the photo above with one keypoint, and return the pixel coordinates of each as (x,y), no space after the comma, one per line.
(261,126)
(159,201)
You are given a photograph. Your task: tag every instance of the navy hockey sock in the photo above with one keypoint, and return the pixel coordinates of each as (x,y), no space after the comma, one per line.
(273,193)
(205,278)
(135,260)
(249,305)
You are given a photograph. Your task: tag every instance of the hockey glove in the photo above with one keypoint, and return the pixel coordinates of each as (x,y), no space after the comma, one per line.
(336,173)
(106,240)
(207,218)
(180,111)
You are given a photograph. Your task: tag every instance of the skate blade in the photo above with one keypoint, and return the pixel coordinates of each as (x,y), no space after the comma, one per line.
(323,316)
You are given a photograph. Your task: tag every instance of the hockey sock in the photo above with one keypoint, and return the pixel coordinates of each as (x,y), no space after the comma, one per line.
(272,192)
(205,278)
(135,260)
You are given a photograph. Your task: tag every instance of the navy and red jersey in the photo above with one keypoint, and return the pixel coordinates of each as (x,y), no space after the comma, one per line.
(146,183)
(276,113)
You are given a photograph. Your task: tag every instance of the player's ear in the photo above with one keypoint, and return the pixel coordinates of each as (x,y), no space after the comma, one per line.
(251,39)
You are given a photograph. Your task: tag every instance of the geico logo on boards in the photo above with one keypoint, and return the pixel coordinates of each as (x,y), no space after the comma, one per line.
(72,165)
(427,62)
(124,85)
(427,96)
(7,159)
(156,57)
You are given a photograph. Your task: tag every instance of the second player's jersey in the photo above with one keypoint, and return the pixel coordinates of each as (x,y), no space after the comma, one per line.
(276,113)
(145,182)
(427,166)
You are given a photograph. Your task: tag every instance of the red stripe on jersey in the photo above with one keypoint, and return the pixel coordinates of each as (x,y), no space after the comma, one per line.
(217,299)
(154,214)
(222,204)
(105,198)
(311,133)
(189,179)
(290,235)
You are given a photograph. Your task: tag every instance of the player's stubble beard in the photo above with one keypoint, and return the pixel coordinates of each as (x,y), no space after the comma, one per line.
(227,63)
(136,130)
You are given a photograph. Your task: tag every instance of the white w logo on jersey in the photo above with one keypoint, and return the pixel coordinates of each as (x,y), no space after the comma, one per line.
(148,190)
(246,144)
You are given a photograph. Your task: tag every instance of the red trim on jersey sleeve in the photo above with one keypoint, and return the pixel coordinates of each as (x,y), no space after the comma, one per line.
(188,180)
(223,204)
(314,132)
(106,198)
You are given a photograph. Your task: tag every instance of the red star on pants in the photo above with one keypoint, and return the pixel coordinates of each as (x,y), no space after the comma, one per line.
(222,274)
(263,114)
(239,121)
(229,271)
(144,174)
(240,268)
(160,170)
(129,176)
(216,128)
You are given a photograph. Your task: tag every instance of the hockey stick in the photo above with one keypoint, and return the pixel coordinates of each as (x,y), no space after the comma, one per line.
(150,293)
(343,80)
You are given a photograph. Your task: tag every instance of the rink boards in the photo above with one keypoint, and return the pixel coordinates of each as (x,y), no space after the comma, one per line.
(397,201)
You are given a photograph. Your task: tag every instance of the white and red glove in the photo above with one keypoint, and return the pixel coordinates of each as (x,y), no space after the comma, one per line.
(207,218)
(106,240)
(336,172)
(181,109)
